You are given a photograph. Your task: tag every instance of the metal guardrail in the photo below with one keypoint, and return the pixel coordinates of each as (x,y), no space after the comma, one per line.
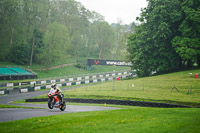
(86,79)
(4,92)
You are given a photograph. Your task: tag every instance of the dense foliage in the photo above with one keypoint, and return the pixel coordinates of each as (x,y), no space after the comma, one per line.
(187,43)
(168,38)
(44,31)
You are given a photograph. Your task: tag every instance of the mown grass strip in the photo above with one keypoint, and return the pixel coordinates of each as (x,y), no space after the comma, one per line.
(132,119)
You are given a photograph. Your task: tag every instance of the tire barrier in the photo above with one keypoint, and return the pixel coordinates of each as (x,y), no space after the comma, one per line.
(117,102)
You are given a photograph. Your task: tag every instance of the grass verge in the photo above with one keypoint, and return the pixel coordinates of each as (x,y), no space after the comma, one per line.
(129,119)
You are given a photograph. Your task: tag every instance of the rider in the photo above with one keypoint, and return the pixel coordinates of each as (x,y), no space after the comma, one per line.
(58,91)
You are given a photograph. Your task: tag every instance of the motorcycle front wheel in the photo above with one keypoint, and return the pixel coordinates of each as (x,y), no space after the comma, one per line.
(50,103)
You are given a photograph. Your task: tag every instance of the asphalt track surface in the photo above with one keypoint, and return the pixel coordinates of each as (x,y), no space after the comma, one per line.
(10,114)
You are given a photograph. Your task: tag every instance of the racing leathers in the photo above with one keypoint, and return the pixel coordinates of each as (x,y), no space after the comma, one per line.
(59,93)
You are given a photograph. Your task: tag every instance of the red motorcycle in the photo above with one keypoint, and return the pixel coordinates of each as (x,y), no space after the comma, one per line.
(54,101)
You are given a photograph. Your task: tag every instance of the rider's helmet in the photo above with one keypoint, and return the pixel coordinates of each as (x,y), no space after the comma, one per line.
(53,85)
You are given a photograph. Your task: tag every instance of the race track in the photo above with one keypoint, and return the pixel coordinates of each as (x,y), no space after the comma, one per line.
(10,114)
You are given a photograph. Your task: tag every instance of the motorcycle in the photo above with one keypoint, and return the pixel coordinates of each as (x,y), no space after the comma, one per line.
(54,101)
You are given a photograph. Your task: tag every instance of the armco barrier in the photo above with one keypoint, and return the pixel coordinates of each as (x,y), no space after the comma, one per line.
(117,102)
(29,89)
(4,92)
(41,82)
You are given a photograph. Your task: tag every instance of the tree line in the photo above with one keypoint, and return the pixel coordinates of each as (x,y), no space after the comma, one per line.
(45,31)
(168,38)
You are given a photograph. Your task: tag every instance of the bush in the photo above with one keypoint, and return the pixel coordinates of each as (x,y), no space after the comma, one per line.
(80,66)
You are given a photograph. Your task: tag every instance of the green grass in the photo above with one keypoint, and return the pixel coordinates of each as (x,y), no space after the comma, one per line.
(127,120)
(18,101)
(154,89)
(71,70)
(37,66)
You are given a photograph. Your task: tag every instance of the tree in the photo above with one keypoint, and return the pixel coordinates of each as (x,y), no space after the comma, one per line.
(8,16)
(20,52)
(138,52)
(56,42)
(36,19)
(187,43)
(29,24)
(74,16)
(104,38)
(37,44)
(122,32)
(150,46)
(18,21)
